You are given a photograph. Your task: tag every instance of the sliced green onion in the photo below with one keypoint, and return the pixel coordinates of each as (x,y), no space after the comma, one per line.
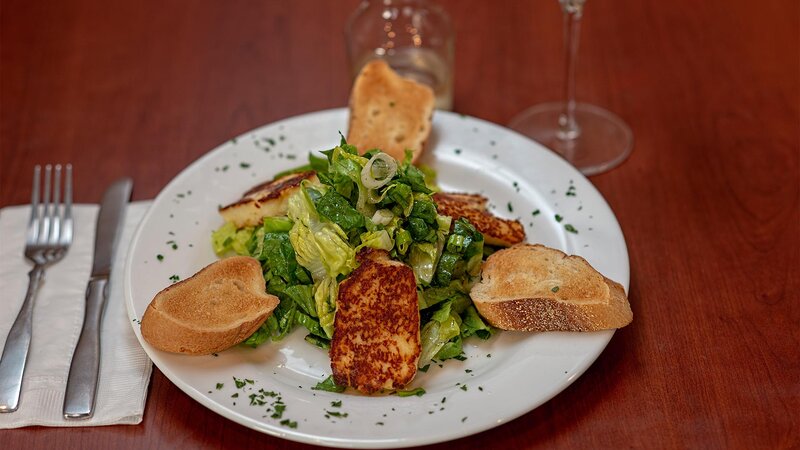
(382,217)
(378,171)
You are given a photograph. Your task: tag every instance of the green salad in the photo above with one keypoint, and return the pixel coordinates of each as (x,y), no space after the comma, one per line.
(367,200)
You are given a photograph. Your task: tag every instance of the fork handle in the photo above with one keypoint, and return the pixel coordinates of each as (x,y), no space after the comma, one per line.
(15,351)
(85,368)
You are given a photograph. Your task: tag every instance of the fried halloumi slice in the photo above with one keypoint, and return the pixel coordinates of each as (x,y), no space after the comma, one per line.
(496,230)
(376,342)
(265,200)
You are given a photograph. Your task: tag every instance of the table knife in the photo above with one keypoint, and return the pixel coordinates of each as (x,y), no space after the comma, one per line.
(81,391)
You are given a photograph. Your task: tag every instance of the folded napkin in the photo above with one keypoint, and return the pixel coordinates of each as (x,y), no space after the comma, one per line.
(57,320)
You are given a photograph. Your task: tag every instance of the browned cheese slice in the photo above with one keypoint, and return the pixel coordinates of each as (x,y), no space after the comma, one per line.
(265,200)
(376,343)
(496,230)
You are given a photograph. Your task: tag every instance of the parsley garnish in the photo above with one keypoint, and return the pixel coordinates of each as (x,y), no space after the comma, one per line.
(555,289)
(160,257)
(328,385)
(279,409)
(288,423)
(244,165)
(220,385)
(559,218)
(336,404)
(239,383)
(570,228)
(419,392)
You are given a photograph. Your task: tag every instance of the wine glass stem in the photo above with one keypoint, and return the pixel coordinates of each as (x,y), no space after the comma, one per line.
(573,9)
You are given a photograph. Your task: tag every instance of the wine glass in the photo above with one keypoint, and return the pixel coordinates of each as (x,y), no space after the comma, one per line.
(593,139)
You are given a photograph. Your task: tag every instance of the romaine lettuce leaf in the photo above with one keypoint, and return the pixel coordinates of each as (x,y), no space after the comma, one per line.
(443,326)
(277,252)
(422,259)
(378,239)
(472,323)
(325,293)
(321,247)
(337,209)
(227,238)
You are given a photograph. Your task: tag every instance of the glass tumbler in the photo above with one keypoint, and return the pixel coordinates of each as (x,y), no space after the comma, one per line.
(415,37)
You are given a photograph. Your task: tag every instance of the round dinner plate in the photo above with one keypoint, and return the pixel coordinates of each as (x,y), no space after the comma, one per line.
(269,388)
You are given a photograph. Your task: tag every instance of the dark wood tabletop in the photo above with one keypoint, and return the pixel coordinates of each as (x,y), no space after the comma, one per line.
(709,200)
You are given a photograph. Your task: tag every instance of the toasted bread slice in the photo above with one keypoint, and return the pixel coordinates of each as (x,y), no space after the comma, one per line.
(496,230)
(376,342)
(265,200)
(218,307)
(536,288)
(389,112)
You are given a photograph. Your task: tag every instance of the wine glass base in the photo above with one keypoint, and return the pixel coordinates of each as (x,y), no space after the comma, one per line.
(603,143)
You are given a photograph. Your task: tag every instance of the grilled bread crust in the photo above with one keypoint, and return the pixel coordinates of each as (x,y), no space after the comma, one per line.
(217,308)
(536,288)
(264,200)
(496,230)
(389,112)
(376,343)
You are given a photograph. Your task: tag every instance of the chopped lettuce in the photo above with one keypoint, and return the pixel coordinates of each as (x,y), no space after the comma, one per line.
(325,293)
(443,326)
(321,246)
(227,238)
(337,209)
(422,259)
(378,239)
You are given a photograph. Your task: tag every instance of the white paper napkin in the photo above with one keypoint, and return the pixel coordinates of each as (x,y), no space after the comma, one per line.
(57,319)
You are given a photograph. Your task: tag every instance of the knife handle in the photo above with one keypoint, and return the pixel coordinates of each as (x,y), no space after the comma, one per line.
(85,368)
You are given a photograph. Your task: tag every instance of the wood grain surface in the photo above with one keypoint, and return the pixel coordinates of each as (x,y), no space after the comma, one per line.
(709,200)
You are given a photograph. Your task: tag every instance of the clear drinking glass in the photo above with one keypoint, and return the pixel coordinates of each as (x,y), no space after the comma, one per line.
(415,38)
(593,139)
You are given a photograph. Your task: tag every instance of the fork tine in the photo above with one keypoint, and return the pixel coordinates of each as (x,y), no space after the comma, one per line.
(66,230)
(55,216)
(44,228)
(33,223)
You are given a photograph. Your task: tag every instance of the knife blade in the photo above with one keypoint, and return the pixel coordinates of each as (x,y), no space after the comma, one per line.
(79,398)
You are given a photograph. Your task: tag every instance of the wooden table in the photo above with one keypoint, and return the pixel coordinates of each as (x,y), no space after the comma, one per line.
(708,201)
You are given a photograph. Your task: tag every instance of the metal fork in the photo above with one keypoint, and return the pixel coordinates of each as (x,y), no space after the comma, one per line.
(48,238)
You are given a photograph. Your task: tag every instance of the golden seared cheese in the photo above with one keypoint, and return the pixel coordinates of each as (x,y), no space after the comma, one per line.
(376,343)
(265,200)
(496,230)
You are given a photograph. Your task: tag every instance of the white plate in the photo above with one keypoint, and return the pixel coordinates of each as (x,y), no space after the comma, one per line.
(501,379)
